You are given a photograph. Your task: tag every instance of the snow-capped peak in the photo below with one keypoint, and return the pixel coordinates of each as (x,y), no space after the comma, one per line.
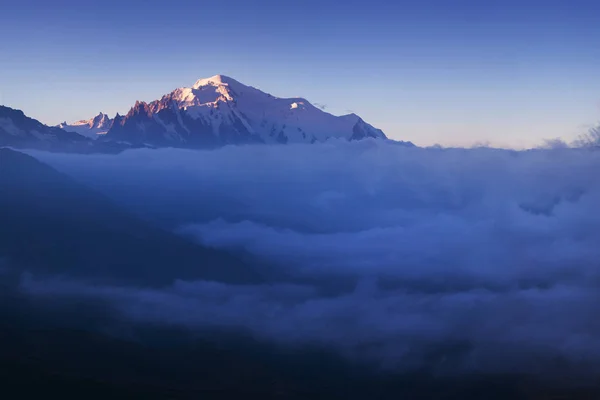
(92,127)
(99,121)
(215,80)
(221,110)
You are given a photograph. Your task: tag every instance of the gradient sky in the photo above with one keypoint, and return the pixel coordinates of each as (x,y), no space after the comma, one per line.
(508,73)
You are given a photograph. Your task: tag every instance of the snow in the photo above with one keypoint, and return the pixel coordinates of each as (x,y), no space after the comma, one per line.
(79,123)
(99,125)
(214,80)
(184,97)
(265,113)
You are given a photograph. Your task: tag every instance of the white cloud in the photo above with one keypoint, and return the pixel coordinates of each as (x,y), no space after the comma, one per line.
(497,249)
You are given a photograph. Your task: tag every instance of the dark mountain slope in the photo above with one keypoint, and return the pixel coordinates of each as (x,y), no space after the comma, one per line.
(51,224)
(20,131)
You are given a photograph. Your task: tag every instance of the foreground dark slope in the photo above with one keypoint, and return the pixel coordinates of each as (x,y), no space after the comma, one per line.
(44,350)
(17,130)
(50,224)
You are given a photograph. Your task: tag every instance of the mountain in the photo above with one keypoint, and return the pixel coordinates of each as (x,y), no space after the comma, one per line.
(49,224)
(18,130)
(220,110)
(91,128)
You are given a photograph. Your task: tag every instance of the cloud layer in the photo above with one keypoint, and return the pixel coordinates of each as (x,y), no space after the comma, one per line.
(489,254)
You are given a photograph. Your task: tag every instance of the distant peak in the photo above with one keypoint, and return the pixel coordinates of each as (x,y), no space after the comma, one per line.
(99,117)
(100,121)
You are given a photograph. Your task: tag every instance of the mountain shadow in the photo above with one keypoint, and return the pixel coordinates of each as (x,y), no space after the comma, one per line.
(50,224)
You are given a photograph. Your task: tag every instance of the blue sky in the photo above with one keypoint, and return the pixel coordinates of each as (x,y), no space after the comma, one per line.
(510,73)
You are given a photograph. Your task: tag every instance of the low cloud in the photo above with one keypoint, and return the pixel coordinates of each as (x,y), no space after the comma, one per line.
(473,330)
(492,251)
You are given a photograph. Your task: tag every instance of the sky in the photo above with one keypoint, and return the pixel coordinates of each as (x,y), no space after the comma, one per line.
(457,73)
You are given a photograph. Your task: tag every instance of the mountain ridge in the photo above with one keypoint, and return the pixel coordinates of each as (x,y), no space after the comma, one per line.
(19,130)
(51,224)
(91,128)
(213,112)
(220,110)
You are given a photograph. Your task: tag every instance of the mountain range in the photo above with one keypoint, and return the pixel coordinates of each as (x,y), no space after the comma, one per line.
(220,110)
(20,131)
(213,112)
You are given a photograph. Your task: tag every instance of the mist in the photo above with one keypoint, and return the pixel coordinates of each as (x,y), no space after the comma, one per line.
(459,259)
